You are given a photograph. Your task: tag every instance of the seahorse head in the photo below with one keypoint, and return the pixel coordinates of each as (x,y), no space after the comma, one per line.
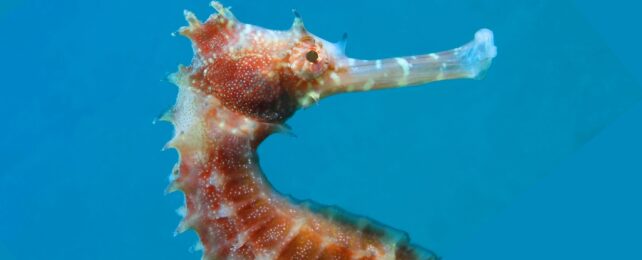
(268,74)
(261,73)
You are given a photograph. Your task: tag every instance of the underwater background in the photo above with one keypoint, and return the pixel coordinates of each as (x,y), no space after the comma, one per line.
(542,159)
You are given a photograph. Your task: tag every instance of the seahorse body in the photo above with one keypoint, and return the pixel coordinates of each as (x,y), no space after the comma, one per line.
(243,84)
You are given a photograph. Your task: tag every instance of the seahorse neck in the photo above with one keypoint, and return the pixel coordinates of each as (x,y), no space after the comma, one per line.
(218,170)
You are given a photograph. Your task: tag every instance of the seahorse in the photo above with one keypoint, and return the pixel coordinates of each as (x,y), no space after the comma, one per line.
(243,84)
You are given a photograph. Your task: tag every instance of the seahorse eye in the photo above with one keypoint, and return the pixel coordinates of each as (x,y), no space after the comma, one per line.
(312,56)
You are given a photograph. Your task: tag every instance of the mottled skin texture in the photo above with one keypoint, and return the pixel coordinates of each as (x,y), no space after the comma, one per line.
(243,83)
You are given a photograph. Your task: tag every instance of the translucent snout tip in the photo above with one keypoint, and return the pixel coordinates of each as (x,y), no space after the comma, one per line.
(485,44)
(477,56)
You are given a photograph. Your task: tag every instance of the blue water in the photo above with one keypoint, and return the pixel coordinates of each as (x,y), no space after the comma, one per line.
(540,160)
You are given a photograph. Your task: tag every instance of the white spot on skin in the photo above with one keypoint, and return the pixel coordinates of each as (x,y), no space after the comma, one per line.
(224,211)
(405,66)
(314,95)
(215,180)
(369,84)
(434,56)
(309,98)
(378,64)
(335,78)
(247,29)
(248,126)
